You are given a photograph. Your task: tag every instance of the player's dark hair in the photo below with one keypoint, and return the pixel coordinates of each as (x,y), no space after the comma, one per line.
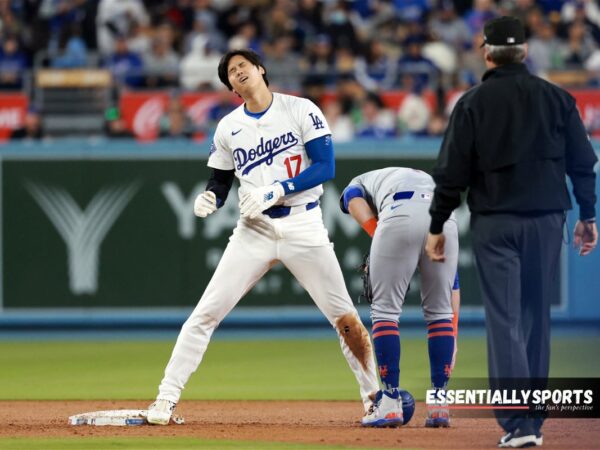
(244,53)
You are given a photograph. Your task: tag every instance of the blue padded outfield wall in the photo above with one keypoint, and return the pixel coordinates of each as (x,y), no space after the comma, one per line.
(104,230)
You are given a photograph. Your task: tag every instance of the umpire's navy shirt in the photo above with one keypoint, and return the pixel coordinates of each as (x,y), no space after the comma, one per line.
(511,140)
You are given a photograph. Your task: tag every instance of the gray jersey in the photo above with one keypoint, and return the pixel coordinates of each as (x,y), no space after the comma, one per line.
(381,185)
(401,197)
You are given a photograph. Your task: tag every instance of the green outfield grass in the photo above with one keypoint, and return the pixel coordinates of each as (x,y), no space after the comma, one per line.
(250,370)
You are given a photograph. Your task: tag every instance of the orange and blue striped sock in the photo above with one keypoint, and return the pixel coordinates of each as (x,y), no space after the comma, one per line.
(440,334)
(386,340)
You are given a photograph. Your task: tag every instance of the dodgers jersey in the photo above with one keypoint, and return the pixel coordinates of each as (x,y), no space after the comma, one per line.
(381,185)
(271,148)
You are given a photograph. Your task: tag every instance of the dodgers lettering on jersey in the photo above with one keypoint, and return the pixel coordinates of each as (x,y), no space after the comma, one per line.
(271,148)
(245,160)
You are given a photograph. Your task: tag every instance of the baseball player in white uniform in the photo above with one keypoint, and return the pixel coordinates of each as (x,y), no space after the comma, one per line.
(392,206)
(279,147)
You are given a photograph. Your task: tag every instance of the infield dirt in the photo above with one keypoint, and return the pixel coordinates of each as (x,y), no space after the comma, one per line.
(312,422)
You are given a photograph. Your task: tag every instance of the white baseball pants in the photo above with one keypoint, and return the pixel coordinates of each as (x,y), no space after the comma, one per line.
(301,243)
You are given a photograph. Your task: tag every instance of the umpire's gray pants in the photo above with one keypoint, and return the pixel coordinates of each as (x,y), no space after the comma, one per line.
(518,260)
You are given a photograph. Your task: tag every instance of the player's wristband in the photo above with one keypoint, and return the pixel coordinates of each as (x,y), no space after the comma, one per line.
(369,226)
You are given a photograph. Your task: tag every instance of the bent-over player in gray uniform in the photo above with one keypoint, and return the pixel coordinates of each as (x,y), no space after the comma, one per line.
(392,205)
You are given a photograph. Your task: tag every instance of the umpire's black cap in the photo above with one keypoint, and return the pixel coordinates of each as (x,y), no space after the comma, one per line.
(503,31)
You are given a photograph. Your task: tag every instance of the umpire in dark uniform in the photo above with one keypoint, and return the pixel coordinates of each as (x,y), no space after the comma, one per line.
(511,140)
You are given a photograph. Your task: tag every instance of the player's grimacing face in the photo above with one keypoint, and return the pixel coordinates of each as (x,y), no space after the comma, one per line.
(243,75)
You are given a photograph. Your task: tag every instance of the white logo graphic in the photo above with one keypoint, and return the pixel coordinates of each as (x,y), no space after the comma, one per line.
(145,122)
(83,231)
(11,118)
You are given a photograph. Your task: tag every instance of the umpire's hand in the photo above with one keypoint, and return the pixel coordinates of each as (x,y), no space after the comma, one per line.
(435,247)
(585,237)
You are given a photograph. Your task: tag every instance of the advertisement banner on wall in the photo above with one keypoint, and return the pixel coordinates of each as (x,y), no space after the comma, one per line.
(122,233)
(13,108)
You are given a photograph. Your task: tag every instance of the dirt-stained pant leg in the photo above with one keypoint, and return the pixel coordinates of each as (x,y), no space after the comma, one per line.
(316,268)
(247,257)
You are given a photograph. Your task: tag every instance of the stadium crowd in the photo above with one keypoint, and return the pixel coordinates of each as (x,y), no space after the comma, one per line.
(357,49)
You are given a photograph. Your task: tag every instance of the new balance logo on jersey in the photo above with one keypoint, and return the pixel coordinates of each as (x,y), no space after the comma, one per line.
(263,153)
(317,122)
(268,196)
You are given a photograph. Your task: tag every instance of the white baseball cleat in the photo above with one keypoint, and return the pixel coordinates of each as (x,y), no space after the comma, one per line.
(385,413)
(159,412)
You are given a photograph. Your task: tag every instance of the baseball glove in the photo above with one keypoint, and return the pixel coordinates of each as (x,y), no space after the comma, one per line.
(363,269)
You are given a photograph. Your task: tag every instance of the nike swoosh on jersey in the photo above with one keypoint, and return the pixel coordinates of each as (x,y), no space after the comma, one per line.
(233,133)
(395,206)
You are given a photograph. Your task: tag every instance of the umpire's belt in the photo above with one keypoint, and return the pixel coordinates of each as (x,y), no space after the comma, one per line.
(276,212)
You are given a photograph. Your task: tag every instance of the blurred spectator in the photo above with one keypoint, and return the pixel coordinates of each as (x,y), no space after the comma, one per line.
(138,38)
(32,126)
(414,63)
(61,14)
(437,125)
(284,65)
(114,124)
(517,8)
(279,22)
(376,70)
(344,61)
(447,27)
(309,20)
(444,57)
(10,23)
(206,120)
(205,24)
(411,10)
(414,112)
(199,66)
(483,10)
(351,96)
(206,16)
(313,89)
(319,65)
(126,66)
(589,9)
(12,64)
(161,64)
(245,37)
(114,20)
(472,66)
(239,13)
(175,122)
(71,51)
(579,47)
(544,52)
(339,27)
(377,121)
(226,102)
(341,126)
